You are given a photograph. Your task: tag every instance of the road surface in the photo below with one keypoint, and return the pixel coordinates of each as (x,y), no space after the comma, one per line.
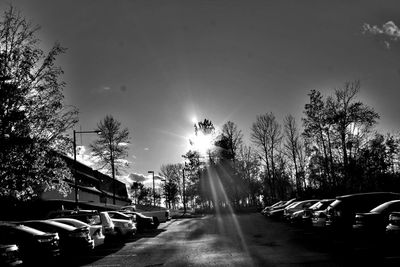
(230,240)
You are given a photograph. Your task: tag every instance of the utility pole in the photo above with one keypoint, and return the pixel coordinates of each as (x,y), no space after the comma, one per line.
(75,172)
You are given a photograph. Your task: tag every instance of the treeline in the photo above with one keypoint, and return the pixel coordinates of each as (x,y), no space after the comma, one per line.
(334,151)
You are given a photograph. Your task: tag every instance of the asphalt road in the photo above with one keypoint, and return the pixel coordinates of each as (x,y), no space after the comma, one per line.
(233,240)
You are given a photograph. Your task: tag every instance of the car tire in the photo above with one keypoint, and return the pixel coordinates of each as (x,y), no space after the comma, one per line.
(156,222)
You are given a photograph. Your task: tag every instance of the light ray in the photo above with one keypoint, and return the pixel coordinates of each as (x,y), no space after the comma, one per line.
(218,194)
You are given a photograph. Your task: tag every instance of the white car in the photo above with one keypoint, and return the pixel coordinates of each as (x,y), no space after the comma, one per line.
(95,231)
(108,224)
(124,224)
(159,214)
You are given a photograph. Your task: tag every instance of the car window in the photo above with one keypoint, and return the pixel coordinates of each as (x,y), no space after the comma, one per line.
(381,207)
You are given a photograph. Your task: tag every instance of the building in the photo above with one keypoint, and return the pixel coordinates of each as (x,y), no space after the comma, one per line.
(95,190)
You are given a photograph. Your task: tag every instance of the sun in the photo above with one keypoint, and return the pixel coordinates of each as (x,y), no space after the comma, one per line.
(202,142)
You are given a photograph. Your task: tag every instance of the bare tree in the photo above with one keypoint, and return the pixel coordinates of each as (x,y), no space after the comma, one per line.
(292,146)
(232,138)
(346,111)
(172,176)
(111,148)
(266,135)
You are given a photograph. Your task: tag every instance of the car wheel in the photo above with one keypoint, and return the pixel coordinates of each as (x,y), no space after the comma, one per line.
(156,222)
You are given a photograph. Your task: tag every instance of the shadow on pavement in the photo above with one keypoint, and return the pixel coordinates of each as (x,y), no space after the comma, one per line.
(111,246)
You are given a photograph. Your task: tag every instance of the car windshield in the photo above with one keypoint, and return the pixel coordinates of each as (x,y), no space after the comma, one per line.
(335,203)
(72,222)
(382,207)
(29,230)
(94,219)
(292,205)
(320,205)
(63,226)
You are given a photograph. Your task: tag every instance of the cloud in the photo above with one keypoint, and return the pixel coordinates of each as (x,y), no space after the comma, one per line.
(389,32)
(158,177)
(84,156)
(106,88)
(146,149)
(136,177)
(123,144)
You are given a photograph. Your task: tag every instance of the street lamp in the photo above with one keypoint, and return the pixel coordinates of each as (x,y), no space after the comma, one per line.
(75,176)
(154,197)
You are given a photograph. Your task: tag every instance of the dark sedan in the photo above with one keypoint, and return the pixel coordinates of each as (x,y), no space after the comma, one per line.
(376,220)
(10,256)
(36,247)
(72,240)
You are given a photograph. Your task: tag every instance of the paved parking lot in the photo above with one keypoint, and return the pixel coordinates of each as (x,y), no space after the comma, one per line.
(234,240)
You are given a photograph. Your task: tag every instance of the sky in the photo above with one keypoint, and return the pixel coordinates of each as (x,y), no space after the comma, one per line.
(155,66)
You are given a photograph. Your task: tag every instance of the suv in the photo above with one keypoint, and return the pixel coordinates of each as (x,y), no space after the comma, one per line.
(341,212)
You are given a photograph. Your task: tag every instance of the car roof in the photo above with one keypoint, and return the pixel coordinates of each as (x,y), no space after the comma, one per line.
(54,224)
(71,220)
(359,195)
(24,228)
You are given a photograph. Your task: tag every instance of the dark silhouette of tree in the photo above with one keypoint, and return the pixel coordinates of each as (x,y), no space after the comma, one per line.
(33,117)
(345,111)
(266,135)
(317,134)
(293,147)
(228,143)
(249,169)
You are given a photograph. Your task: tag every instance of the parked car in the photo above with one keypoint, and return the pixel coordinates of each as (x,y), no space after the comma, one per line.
(267,208)
(107,224)
(300,205)
(142,222)
(123,224)
(36,247)
(159,214)
(392,230)
(315,215)
(376,220)
(341,212)
(72,240)
(9,255)
(91,217)
(277,211)
(96,231)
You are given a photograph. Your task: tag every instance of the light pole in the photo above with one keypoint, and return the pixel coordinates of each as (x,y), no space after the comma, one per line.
(75,176)
(154,197)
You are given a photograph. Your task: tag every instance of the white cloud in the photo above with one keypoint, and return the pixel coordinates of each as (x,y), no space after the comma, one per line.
(123,144)
(145,179)
(106,88)
(84,156)
(136,177)
(146,149)
(389,32)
